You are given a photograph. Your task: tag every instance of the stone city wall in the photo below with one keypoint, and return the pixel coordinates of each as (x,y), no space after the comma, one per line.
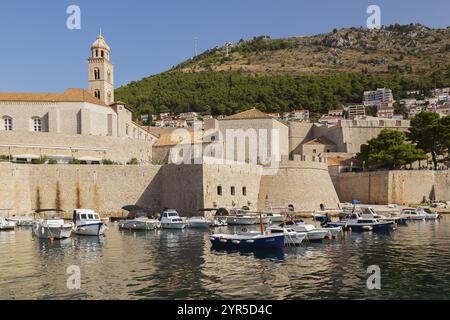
(304,183)
(400,187)
(47,144)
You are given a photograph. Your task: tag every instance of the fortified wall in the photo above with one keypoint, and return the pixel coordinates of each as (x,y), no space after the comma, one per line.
(74,146)
(401,186)
(303,183)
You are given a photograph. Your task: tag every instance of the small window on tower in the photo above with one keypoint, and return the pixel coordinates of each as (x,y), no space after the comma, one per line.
(103,54)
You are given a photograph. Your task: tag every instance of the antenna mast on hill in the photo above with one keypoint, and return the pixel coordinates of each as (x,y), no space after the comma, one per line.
(195,46)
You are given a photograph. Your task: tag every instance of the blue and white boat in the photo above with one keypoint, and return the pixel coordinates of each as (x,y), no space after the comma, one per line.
(364,221)
(253,240)
(88,223)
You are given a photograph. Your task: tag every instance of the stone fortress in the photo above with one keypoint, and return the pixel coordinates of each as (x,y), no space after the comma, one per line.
(306,167)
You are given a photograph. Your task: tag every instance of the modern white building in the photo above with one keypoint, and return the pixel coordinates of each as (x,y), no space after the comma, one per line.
(381,95)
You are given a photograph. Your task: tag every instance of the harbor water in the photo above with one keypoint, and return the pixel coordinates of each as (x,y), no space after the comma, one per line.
(168,264)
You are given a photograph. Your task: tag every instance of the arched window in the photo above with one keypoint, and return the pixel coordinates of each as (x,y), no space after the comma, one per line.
(96,53)
(97,74)
(97,94)
(103,54)
(8,123)
(219,190)
(37,124)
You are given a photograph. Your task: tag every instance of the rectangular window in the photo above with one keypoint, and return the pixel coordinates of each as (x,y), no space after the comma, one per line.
(233,191)
(219,190)
(244,191)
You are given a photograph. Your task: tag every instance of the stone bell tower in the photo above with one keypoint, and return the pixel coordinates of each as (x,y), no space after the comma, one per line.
(101,71)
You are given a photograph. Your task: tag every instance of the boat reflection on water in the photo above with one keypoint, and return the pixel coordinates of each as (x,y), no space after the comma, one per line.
(276,255)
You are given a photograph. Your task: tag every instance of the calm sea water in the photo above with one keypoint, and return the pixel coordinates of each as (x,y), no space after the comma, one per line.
(414,262)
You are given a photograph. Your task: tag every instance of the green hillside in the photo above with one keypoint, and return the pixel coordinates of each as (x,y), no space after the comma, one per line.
(317,72)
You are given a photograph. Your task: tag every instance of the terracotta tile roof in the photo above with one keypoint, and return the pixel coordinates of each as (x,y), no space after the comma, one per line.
(70,95)
(249,114)
(340,161)
(320,140)
(169,140)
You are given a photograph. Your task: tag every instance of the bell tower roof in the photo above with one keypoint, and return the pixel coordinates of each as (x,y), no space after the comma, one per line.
(100,43)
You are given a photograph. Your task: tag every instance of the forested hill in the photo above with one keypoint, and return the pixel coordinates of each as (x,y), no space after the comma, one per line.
(317,72)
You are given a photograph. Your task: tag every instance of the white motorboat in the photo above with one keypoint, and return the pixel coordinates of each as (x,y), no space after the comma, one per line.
(6,225)
(88,223)
(274,217)
(242,219)
(170,219)
(141,223)
(199,223)
(334,231)
(53,227)
(291,237)
(420,214)
(21,221)
(312,233)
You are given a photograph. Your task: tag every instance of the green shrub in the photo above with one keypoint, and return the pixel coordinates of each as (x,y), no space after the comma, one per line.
(52,161)
(107,162)
(41,160)
(74,161)
(133,161)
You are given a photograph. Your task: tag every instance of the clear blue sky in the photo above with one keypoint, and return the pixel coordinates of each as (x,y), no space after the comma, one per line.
(39,54)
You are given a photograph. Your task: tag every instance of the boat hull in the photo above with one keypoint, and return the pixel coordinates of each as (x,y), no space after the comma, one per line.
(58,233)
(138,225)
(316,235)
(173,225)
(294,238)
(361,227)
(199,224)
(241,221)
(237,242)
(94,229)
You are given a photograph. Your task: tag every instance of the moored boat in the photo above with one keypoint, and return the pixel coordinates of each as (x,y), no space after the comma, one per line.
(199,223)
(291,237)
(51,225)
(21,221)
(88,223)
(312,233)
(6,225)
(248,241)
(140,224)
(170,219)
(420,214)
(364,221)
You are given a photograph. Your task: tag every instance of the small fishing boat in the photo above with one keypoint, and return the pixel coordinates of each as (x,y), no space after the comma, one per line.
(420,214)
(252,240)
(199,223)
(241,219)
(248,241)
(170,219)
(51,225)
(364,221)
(88,223)
(140,224)
(311,232)
(274,217)
(21,221)
(291,237)
(6,225)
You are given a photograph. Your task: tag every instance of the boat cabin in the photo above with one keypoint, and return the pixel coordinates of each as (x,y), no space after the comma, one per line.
(172,215)
(85,215)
